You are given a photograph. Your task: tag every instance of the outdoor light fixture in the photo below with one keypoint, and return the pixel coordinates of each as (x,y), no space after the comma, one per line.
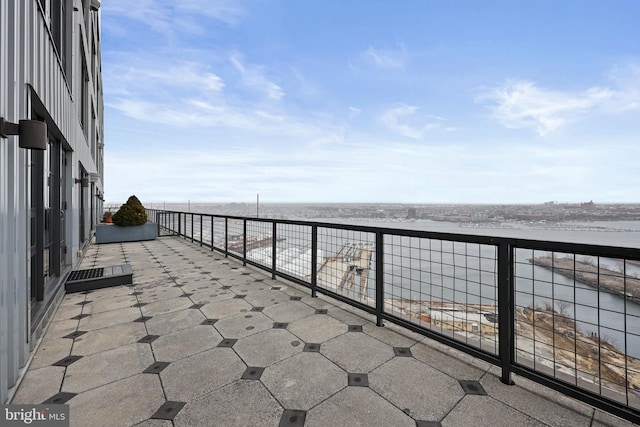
(32,133)
(95,5)
(84,181)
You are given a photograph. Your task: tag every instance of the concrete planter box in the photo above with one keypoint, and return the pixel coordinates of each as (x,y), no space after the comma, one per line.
(111,233)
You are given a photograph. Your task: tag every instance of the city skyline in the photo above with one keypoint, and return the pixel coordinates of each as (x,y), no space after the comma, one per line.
(352,102)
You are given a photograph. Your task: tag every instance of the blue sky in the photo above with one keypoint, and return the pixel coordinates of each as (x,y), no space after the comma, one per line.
(372,101)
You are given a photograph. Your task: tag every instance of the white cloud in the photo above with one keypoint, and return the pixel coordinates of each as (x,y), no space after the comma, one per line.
(521,104)
(405,120)
(253,77)
(387,59)
(169,17)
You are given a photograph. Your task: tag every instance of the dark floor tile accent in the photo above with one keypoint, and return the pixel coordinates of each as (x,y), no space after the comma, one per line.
(472,387)
(292,418)
(156,367)
(67,361)
(59,398)
(420,423)
(84,302)
(246,274)
(139,304)
(136,293)
(196,306)
(214,279)
(178,285)
(209,321)
(252,373)
(259,280)
(75,334)
(186,295)
(80,316)
(402,351)
(257,309)
(321,311)
(311,348)
(148,339)
(358,380)
(355,328)
(225,287)
(143,319)
(275,288)
(295,298)
(278,325)
(168,410)
(227,342)
(240,296)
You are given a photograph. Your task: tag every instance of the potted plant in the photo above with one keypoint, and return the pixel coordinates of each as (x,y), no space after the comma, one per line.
(129,225)
(107,217)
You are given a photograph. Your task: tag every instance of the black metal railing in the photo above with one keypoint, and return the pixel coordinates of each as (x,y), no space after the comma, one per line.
(565,315)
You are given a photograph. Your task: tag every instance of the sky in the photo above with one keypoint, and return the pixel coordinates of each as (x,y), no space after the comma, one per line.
(372,101)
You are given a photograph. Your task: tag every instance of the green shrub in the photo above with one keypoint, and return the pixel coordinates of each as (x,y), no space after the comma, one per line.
(131,213)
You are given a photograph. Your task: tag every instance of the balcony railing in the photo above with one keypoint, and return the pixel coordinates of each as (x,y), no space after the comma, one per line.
(562,314)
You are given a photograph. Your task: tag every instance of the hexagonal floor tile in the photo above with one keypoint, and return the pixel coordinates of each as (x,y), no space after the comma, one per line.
(241,403)
(357,352)
(201,373)
(304,380)
(407,383)
(268,347)
(317,328)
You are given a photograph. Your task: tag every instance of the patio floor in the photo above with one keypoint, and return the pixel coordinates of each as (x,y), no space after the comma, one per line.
(200,340)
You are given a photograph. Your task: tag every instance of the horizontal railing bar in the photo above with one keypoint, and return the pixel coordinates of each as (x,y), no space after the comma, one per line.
(518,243)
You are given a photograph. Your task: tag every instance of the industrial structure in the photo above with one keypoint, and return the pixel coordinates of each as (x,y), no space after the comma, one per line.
(51,163)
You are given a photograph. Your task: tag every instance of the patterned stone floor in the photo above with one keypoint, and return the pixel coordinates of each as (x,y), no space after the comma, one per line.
(200,340)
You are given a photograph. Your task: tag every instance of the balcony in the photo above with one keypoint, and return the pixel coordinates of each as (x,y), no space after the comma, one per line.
(205,336)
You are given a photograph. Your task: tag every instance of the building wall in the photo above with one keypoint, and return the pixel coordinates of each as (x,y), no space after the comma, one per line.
(50,71)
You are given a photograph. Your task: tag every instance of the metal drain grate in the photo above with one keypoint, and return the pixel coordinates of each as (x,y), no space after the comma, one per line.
(97,278)
(91,273)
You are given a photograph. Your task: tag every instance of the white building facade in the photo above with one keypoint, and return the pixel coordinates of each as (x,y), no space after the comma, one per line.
(50,200)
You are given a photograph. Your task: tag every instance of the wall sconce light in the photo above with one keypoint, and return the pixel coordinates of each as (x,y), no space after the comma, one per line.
(32,133)
(84,181)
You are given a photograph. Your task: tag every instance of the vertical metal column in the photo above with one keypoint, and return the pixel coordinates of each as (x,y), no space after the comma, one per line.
(273,250)
(244,242)
(379,278)
(226,237)
(505,310)
(201,233)
(314,260)
(191,227)
(212,224)
(179,224)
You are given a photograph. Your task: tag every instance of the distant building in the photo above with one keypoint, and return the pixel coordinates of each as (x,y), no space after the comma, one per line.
(51,199)
(456,320)
(412,213)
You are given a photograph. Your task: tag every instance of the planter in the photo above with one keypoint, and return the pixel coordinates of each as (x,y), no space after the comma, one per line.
(111,233)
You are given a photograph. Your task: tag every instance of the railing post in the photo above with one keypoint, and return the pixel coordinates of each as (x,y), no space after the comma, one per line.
(212,223)
(179,224)
(314,261)
(244,242)
(201,233)
(273,249)
(505,309)
(226,237)
(192,233)
(379,278)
